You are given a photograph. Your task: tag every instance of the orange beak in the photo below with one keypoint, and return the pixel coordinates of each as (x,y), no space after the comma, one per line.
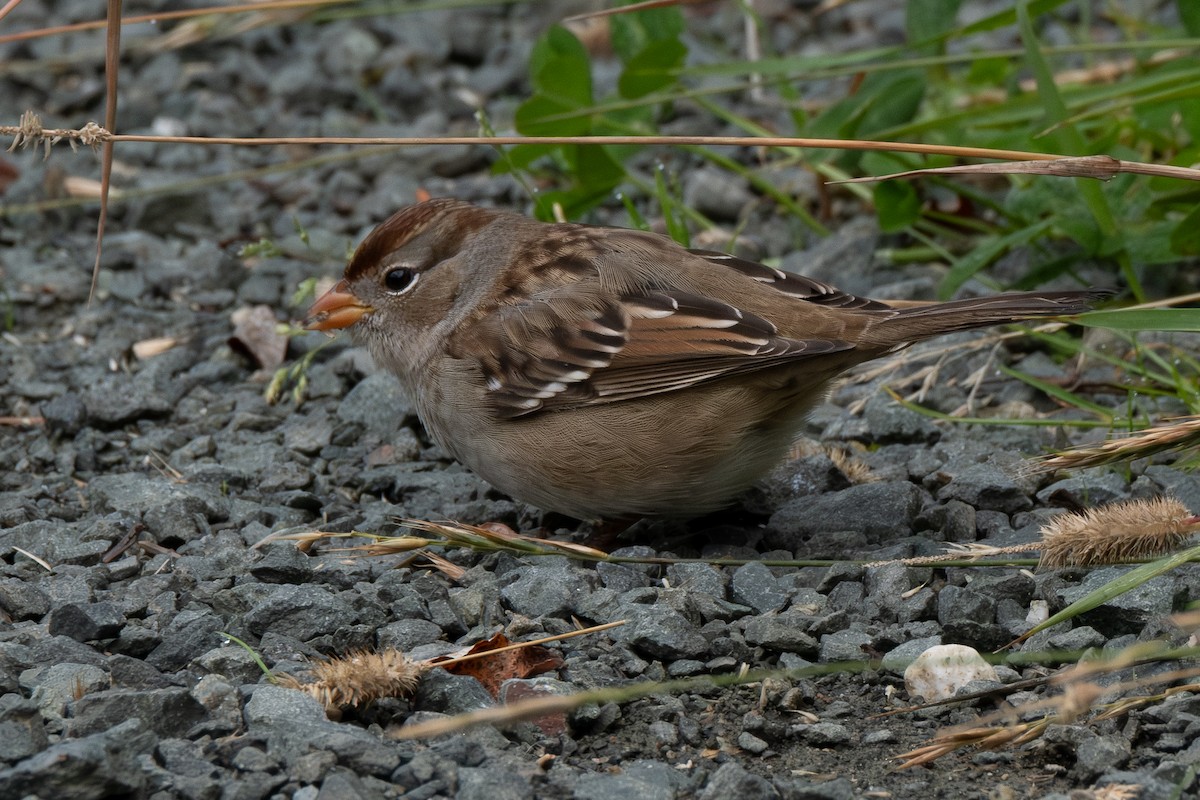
(335,309)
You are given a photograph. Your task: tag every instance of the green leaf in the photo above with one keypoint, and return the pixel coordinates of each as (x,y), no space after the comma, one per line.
(897,204)
(1185,238)
(521,157)
(1004,19)
(652,69)
(889,100)
(559,66)
(596,168)
(925,19)
(545,116)
(632,32)
(1189,15)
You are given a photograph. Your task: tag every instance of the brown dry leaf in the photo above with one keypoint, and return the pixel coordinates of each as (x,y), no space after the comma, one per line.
(492,671)
(255,333)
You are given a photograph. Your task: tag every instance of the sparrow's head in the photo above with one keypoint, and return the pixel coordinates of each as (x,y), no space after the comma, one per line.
(397,285)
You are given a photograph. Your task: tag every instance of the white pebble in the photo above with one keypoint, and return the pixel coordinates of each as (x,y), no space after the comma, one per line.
(939,672)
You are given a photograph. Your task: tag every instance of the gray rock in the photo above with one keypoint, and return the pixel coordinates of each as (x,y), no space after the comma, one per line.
(56,686)
(800,789)
(293,724)
(1094,753)
(171,510)
(889,422)
(94,767)
(1129,612)
(65,414)
(21,600)
(825,734)
(445,693)
(1085,491)
(716,193)
(1185,486)
(379,404)
(547,591)
(699,578)
(958,604)
(405,634)
(751,743)
(1078,639)
(953,521)
(733,780)
(282,562)
(117,400)
(879,511)
(189,635)
(844,646)
(754,585)
(59,650)
(801,477)
(1014,585)
(783,632)
(167,712)
(659,632)
(307,434)
(22,732)
(989,486)
(899,657)
(844,258)
(86,622)
(301,612)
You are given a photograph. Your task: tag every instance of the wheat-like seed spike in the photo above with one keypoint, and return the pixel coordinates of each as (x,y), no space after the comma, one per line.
(1172,435)
(1117,533)
(359,678)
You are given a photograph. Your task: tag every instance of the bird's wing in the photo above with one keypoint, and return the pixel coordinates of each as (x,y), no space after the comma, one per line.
(567,348)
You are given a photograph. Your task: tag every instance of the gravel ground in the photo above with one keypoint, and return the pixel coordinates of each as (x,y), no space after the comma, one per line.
(152,478)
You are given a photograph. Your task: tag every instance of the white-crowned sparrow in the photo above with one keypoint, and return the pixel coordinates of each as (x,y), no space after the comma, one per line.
(607,373)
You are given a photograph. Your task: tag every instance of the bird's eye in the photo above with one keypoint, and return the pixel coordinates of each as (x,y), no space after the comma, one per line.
(399,280)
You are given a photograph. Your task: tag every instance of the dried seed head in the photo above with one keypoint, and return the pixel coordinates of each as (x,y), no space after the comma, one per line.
(358,678)
(1117,533)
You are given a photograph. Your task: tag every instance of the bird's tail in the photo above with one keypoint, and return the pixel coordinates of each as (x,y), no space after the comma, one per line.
(912,324)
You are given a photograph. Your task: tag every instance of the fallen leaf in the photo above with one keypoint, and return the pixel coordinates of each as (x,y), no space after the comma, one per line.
(255,333)
(492,671)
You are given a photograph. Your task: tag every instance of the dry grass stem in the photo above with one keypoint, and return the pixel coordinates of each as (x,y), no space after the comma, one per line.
(1100,167)
(959,551)
(1175,434)
(1117,533)
(104,135)
(22,422)
(29,132)
(163,16)
(495,536)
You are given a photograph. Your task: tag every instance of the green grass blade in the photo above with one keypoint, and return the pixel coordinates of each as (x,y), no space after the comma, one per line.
(1115,588)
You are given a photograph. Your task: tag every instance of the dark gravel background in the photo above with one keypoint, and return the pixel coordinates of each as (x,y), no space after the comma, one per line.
(114,680)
